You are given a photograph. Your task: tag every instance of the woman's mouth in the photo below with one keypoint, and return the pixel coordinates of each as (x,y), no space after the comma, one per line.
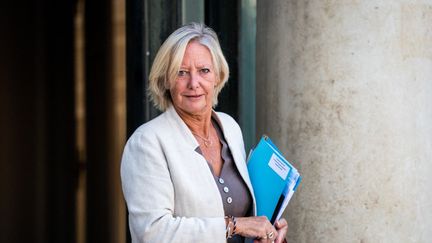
(193,96)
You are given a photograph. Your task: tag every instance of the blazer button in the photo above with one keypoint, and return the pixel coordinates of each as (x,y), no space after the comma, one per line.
(229,200)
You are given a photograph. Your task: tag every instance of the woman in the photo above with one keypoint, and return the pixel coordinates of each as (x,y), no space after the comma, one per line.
(183,173)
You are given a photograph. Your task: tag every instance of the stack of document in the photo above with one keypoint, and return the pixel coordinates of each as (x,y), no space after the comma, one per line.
(274,179)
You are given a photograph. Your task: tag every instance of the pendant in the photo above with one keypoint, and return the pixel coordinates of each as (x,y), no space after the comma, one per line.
(207,143)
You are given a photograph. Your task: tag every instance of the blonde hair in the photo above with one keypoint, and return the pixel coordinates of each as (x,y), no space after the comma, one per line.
(170,55)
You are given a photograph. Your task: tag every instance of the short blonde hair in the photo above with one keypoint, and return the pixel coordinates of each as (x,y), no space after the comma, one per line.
(170,55)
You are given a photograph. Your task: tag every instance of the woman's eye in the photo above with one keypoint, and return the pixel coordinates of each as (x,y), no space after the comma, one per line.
(205,70)
(182,73)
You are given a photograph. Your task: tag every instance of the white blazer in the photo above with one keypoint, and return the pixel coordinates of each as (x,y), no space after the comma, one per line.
(169,189)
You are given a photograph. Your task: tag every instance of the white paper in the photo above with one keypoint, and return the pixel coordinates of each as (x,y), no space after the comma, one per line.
(279,166)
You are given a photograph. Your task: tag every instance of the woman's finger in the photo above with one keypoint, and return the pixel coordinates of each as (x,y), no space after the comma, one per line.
(281,223)
(282,228)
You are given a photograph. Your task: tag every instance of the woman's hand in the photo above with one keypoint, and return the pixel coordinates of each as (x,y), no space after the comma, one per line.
(256,227)
(282,229)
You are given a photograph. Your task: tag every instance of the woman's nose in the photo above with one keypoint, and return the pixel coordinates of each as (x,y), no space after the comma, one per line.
(194,80)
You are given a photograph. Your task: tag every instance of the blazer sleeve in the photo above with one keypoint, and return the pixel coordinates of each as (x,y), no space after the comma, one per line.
(149,194)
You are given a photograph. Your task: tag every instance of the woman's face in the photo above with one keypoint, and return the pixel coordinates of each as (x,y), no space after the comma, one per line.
(193,90)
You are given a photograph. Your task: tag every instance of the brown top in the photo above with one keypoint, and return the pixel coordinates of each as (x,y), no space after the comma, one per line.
(235,195)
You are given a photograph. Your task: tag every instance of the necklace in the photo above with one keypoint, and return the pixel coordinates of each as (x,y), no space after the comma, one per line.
(207,141)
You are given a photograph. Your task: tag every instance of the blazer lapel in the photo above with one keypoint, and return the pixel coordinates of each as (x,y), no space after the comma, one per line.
(238,156)
(182,132)
(180,128)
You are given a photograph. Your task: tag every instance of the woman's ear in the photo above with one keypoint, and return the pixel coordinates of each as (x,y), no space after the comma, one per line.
(217,81)
(168,94)
(167,85)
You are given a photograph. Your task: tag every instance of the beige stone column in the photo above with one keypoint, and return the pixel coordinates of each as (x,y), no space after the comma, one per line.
(345,89)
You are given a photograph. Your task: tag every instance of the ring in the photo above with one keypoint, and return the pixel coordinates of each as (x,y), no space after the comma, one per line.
(270,235)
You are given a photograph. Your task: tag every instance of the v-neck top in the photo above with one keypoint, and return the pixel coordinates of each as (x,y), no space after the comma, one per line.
(235,195)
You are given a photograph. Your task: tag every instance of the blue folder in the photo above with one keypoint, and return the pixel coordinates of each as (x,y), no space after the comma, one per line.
(273,178)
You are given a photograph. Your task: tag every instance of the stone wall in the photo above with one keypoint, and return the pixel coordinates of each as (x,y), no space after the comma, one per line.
(349,84)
